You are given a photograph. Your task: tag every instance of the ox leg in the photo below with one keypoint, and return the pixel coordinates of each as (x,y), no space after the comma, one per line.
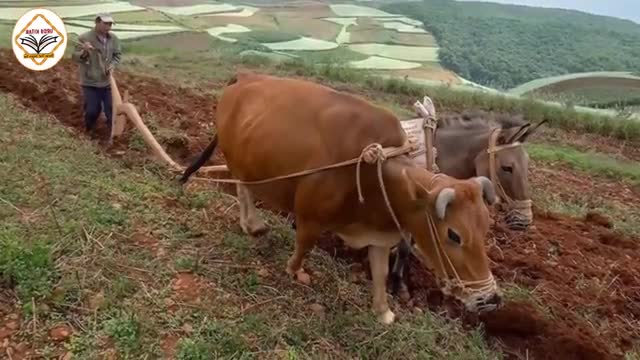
(250,221)
(379,262)
(397,284)
(306,237)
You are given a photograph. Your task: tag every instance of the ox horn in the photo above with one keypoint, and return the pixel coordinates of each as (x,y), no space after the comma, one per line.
(445,196)
(488,191)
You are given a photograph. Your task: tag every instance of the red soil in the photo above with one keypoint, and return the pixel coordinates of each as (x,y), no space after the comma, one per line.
(584,278)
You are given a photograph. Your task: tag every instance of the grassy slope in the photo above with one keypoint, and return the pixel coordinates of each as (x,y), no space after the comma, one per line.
(98,247)
(502,46)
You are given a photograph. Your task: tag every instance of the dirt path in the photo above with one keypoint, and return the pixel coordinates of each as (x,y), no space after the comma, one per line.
(583,300)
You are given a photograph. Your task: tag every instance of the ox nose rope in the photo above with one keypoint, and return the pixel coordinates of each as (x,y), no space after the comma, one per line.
(470,289)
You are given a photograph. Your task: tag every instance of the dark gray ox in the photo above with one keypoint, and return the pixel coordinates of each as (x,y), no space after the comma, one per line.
(462,142)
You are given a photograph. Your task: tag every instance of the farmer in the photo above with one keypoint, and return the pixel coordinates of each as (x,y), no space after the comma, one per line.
(98,52)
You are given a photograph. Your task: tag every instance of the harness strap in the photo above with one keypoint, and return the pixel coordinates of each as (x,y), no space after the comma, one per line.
(492,150)
(370,154)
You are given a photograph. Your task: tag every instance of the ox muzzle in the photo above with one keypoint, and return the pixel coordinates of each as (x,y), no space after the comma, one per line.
(519,215)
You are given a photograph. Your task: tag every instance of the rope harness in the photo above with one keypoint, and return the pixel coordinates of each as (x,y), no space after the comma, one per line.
(468,291)
(519,214)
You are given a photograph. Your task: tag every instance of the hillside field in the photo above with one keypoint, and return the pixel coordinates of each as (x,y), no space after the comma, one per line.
(505,46)
(105,256)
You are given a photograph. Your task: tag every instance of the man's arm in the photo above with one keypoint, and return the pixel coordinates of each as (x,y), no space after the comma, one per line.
(79,54)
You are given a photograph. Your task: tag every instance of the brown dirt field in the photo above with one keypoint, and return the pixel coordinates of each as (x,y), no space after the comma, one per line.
(382,35)
(583,279)
(191,115)
(369,35)
(613,147)
(580,187)
(371,30)
(306,26)
(414,39)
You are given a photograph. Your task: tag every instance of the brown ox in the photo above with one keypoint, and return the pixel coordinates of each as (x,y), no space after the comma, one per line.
(270,127)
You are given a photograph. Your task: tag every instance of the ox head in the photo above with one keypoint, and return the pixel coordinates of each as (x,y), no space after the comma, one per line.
(510,172)
(449,219)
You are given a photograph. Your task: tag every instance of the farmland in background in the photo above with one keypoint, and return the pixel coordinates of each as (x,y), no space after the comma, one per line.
(504,46)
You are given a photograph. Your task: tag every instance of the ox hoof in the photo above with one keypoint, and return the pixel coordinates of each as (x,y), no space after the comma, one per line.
(300,275)
(387,317)
(254,227)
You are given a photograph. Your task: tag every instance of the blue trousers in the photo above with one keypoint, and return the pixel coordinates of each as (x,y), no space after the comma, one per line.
(95,100)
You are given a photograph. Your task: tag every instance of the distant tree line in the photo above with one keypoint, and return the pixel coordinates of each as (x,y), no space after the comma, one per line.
(503,46)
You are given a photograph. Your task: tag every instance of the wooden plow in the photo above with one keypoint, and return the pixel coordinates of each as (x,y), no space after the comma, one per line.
(123,110)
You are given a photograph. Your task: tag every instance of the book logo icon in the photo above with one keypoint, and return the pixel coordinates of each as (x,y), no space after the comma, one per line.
(39,39)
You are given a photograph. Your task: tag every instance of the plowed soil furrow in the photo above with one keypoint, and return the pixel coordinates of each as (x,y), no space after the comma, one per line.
(584,278)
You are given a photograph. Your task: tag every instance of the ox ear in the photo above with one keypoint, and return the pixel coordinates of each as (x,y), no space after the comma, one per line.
(488,190)
(510,135)
(531,130)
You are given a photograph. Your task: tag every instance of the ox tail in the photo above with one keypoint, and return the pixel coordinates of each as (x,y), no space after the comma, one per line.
(206,154)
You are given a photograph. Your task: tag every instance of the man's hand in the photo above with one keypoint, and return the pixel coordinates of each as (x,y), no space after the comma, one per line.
(109,69)
(86,47)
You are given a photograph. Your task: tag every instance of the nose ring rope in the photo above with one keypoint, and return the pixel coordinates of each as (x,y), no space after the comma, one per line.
(517,207)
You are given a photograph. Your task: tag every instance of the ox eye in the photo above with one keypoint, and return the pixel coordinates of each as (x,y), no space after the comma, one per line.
(453,236)
(508,169)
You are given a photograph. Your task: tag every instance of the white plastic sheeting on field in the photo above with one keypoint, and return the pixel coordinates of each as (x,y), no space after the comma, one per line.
(343,36)
(304,43)
(400,52)
(381,63)
(229,28)
(246,12)
(402,27)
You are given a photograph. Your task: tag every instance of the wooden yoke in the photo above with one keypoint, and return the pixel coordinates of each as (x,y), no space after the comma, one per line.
(424,130)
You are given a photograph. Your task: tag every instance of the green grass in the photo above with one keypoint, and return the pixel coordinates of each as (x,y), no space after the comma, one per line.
(264,36)
(625,217)
(71,219)
(6,30)
(591,162)
(596,95)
